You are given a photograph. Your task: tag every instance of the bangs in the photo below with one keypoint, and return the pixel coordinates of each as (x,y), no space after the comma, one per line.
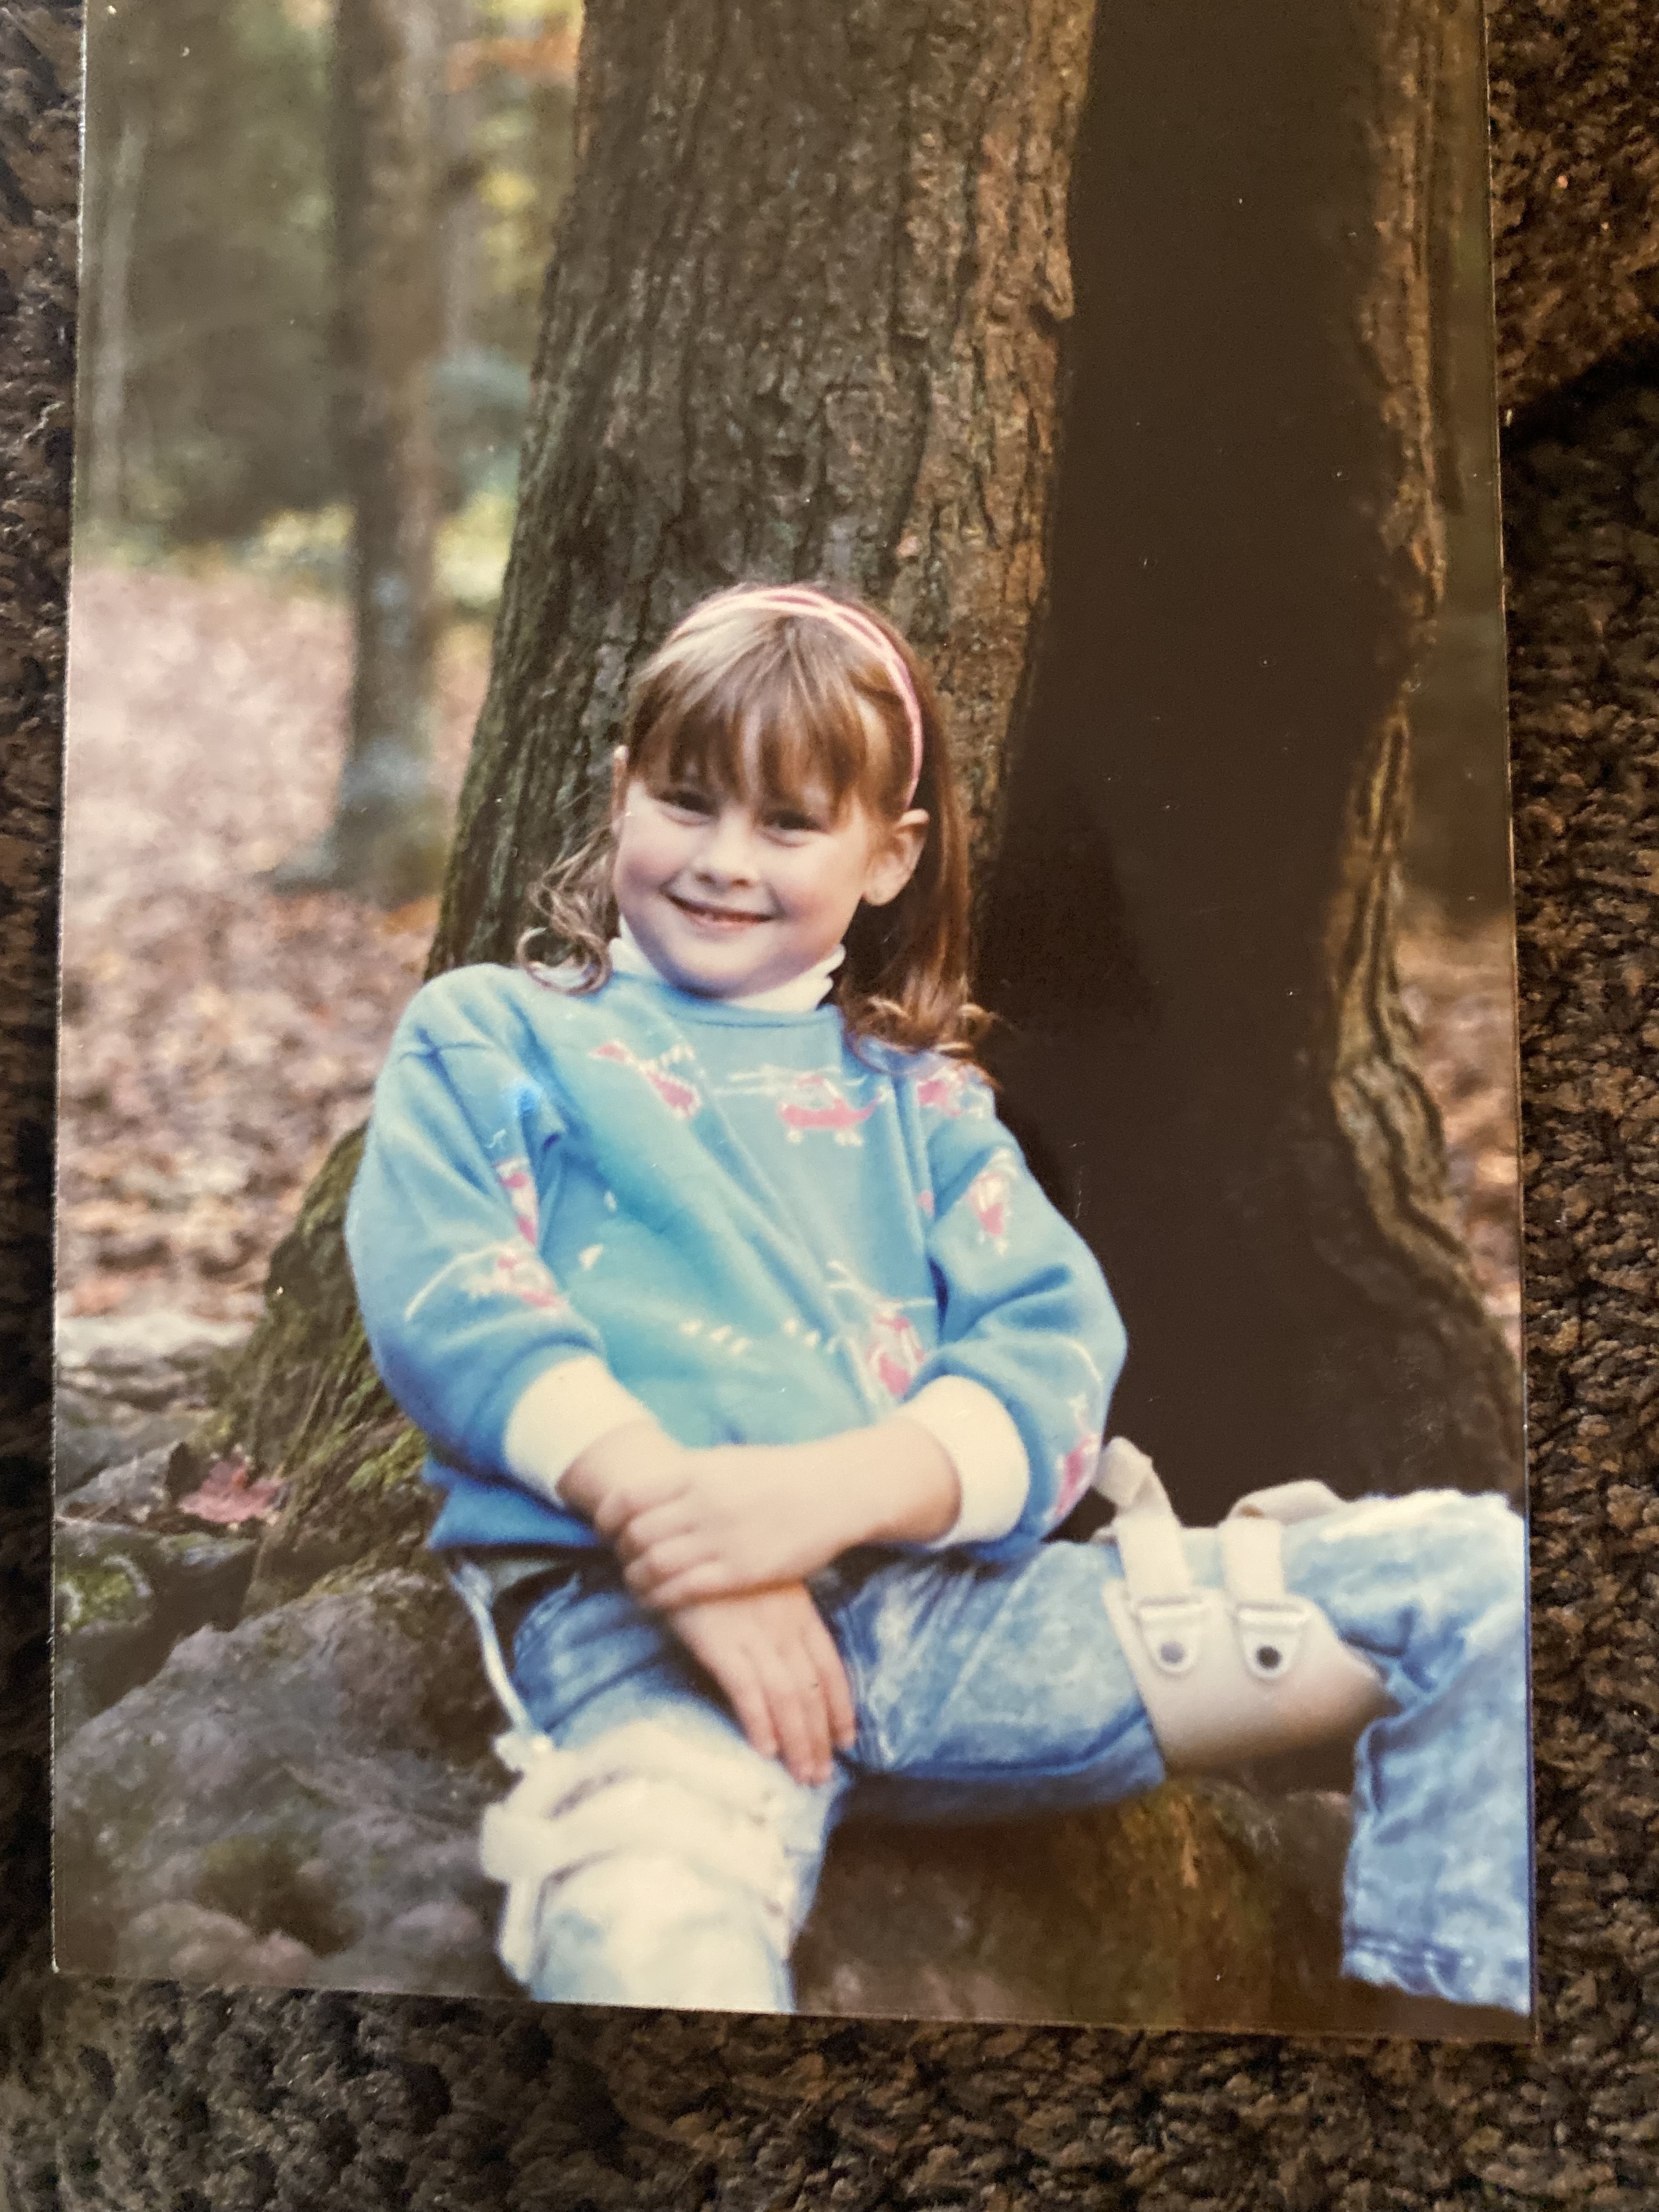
(769,709)
(783,721)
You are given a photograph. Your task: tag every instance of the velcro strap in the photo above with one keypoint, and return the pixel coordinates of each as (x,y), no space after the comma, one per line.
(639,1791)
(1126,1478)
(1288,1502)
(1253,1561)
(641,1816)
(1269,1623)
(1154,1557)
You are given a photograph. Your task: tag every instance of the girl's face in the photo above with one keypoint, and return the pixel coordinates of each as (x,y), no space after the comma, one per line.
(730,895)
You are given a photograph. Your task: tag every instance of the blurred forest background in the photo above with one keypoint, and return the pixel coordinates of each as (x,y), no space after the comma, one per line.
(226,1005)
(252,442)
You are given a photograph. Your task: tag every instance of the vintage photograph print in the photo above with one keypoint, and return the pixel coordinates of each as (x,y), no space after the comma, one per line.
(788,1243)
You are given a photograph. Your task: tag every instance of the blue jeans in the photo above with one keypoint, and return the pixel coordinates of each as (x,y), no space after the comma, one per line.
(987,1691)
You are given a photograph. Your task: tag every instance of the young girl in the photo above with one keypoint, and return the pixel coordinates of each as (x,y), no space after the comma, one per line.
(755,1366)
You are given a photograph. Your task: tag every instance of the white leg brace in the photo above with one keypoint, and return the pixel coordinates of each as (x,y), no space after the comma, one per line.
(639,1792)
(1238,1673)
(642,1792)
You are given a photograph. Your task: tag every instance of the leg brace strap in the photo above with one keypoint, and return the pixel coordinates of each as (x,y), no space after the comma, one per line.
(1238,1673)
(641,1791)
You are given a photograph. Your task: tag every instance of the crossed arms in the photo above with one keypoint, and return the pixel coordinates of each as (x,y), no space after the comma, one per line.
(721,1541)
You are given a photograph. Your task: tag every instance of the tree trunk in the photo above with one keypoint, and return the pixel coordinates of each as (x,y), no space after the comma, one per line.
(460,250)
(805,317)
(109,289)
(387,836)
(1191,921)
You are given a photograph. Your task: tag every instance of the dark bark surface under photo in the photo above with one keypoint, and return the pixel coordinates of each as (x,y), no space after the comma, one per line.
(147,2096)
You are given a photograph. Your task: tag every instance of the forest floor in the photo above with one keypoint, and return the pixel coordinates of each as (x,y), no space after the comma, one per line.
(218,1039)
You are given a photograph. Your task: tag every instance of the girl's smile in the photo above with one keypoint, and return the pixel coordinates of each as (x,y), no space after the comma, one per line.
(727,897)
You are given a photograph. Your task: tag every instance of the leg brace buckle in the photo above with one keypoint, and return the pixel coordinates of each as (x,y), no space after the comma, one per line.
(1235,1673)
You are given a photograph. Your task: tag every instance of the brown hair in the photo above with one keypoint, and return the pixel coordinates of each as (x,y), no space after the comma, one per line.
(744,698)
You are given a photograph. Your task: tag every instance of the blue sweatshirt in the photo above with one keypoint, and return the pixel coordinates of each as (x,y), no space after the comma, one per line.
(576,1211)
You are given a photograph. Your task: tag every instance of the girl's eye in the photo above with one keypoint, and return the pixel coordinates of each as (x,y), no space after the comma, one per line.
(789,822)
(686,798)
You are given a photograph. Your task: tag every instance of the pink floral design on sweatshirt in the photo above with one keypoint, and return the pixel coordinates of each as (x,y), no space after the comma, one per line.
(990,1195)
(1074,1470)
(516,1180)
(818,1102)
(892,1352)
(949,1088)
(682,1098)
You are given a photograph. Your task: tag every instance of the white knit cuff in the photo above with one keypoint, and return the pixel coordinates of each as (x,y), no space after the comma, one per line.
(975,1429)
(565,1409)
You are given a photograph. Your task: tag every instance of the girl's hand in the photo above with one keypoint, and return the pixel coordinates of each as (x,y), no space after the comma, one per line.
(622,1473)
(735,1518)
(742,1516)
(781,1673)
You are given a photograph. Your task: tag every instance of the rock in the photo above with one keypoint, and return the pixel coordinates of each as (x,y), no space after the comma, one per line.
(184,1942)
(89,1436)
(311,1775)
(129,1385)
(441,1945)
(125,1595)
(145,1359)
(132,1491)
(1201,1905)
(104,1632)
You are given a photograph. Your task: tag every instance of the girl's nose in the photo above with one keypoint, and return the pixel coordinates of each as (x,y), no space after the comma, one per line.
(728,849)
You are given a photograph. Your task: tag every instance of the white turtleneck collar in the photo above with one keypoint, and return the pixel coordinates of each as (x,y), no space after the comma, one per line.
(797,996)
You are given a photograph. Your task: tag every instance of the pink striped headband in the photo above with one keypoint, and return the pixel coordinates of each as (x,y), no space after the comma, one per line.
(853,622)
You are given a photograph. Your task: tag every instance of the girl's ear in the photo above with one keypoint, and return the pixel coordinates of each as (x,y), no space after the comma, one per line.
(619,781)
(894,860)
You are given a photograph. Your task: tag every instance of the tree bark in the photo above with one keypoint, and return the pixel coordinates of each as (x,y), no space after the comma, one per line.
(388,835)
(806,318)
(1191,927)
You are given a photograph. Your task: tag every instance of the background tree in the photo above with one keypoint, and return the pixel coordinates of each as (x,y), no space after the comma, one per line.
(388,834)
(808,315)
(203,303)
(207,317)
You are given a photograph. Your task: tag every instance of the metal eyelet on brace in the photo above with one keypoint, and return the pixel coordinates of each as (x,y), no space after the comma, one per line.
(1172,1629)
(1270,1636)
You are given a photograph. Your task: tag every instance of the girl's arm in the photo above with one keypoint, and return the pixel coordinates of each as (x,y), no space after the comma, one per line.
(742,1516)
(471,1331)
(1031,1345)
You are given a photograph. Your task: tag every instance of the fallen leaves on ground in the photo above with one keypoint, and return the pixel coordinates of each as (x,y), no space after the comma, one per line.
(230,1495)
(216,1040)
